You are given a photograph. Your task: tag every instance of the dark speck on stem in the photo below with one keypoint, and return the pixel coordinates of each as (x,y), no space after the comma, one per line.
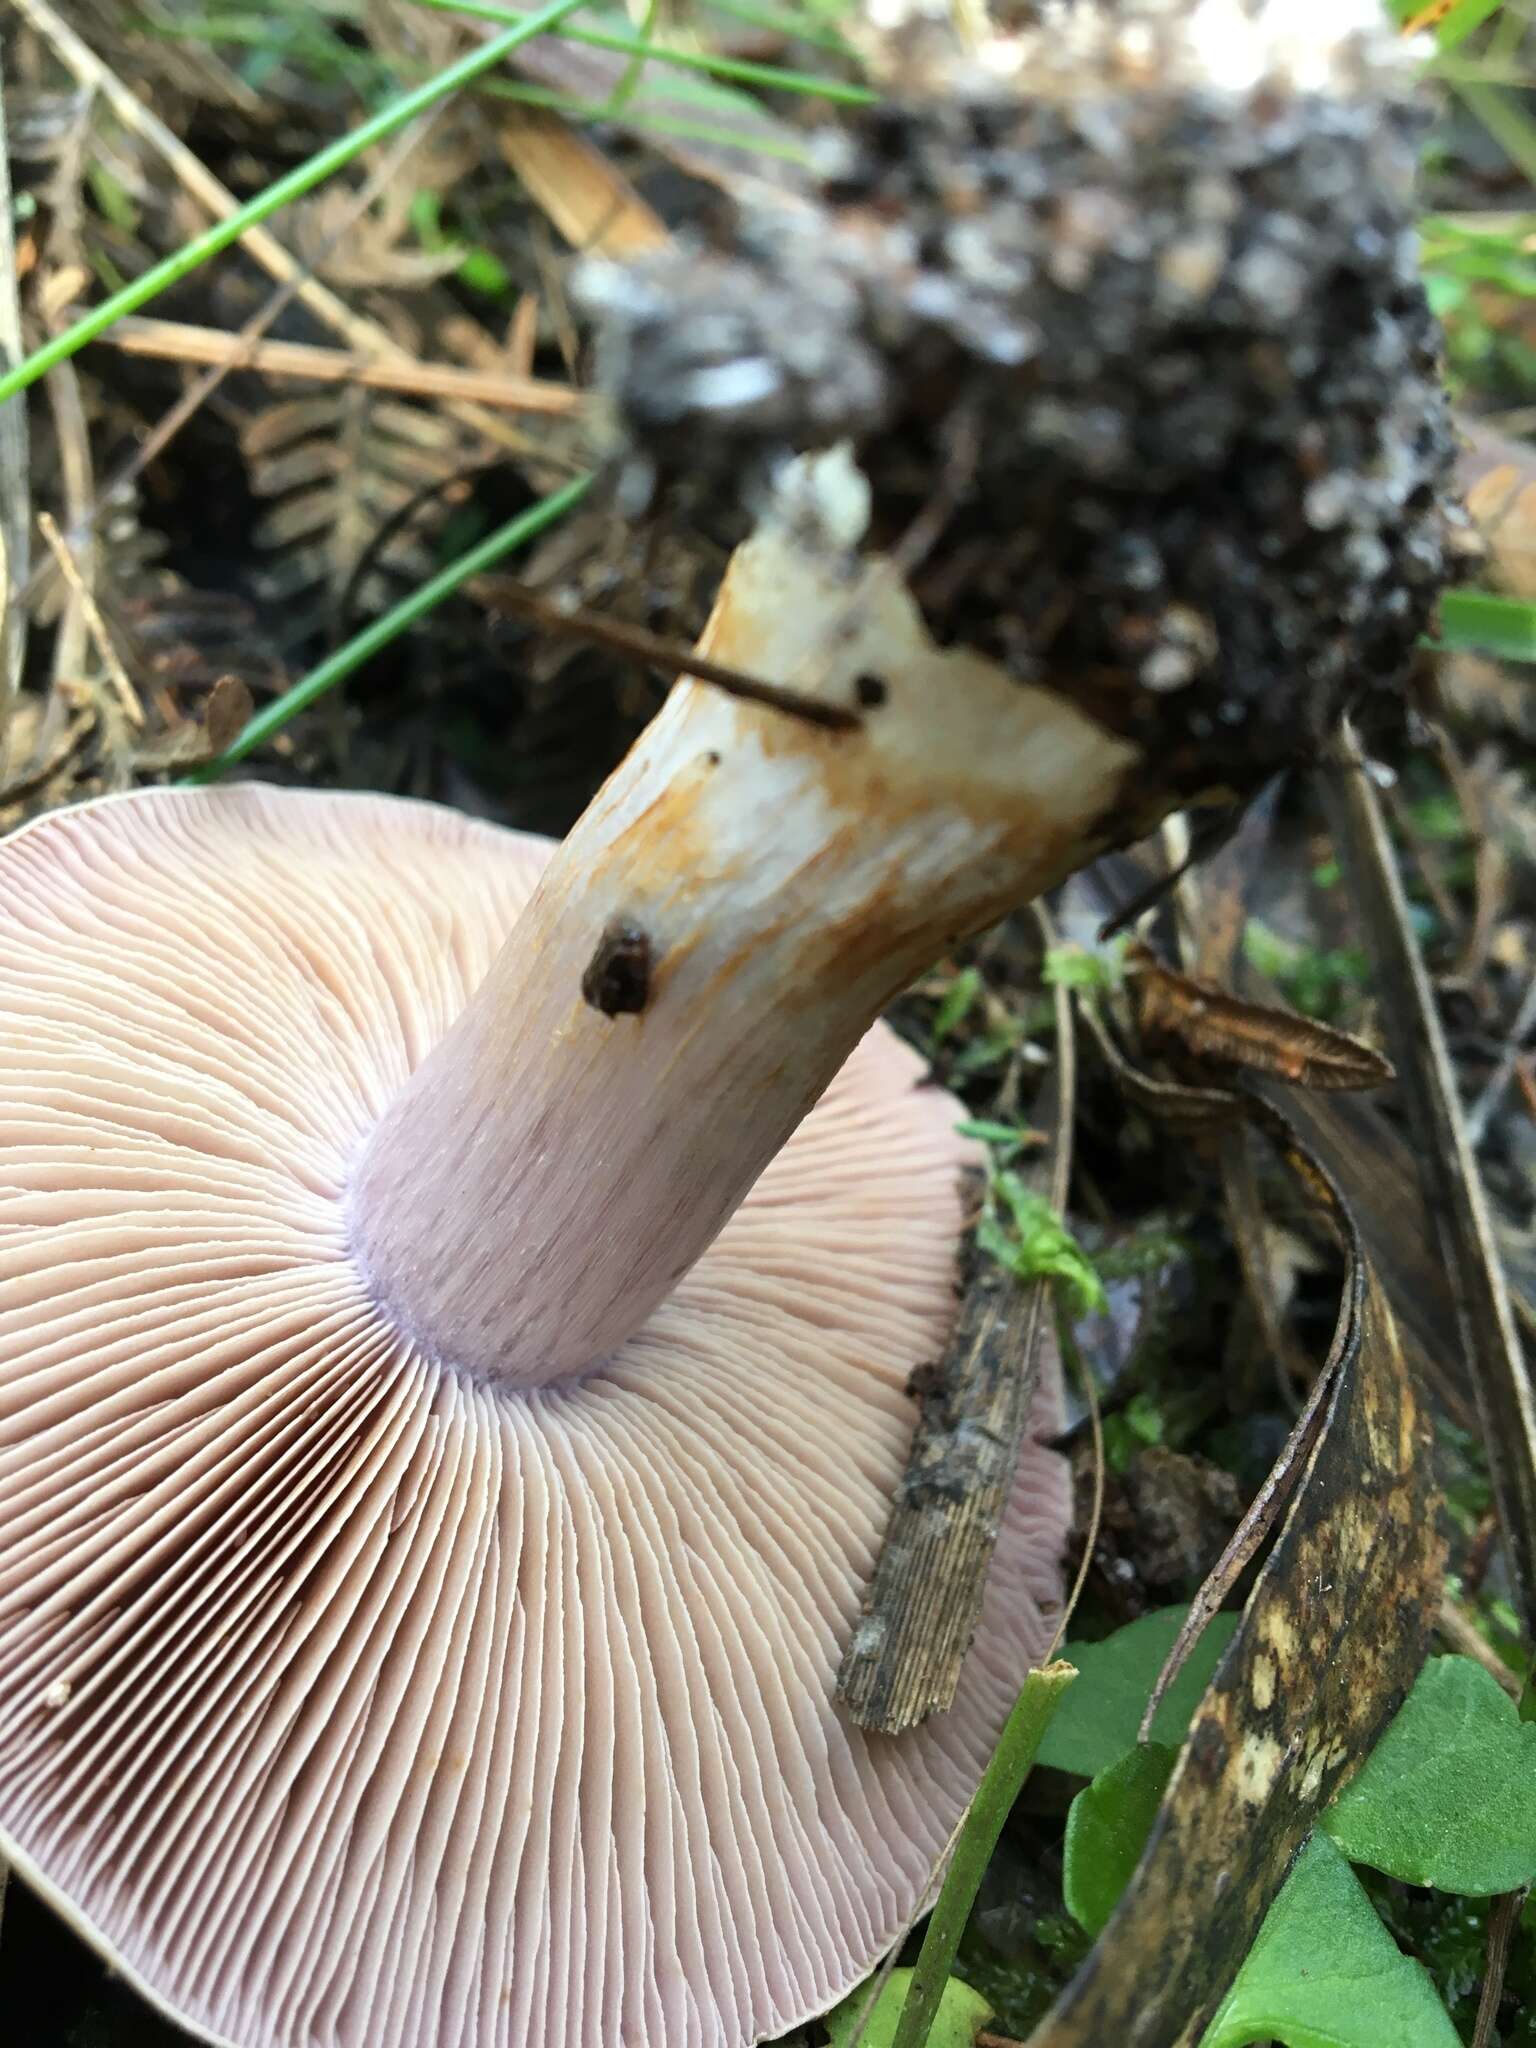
(618,976)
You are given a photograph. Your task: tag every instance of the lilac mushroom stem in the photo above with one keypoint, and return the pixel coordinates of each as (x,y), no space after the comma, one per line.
(745,895)
(1147,485)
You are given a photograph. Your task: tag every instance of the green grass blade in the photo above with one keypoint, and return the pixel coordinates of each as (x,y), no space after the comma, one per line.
(1478,622)
(786,22)
(1504,118)
(979,1831)
(739,70)
(642,120)
(303,178)
(634,71)
(363,646)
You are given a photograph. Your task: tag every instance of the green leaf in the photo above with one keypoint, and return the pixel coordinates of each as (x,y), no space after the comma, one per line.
(1107,1829)
(1035,1244)
(1463,18)
(1325,1973)
(1099,1718)
(958,998)
(1076,967)
(484,272)
(1006,1140)
(1448,1796)
(960,2018)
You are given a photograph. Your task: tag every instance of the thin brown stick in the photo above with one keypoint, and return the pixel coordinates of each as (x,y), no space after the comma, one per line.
(920,1611)
(1502,1922)
(1265,1509)
(15,493)
(523,335)
(11,617)
(175,341)
(671,657)
(77,488)
(117,675)
(1464,1637)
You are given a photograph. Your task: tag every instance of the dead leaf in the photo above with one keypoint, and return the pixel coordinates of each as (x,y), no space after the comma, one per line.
(1328,1645)
(1218,1031)
(227,712)
(1456,1203)
(1497,477)
(1361,1152)
(579,191)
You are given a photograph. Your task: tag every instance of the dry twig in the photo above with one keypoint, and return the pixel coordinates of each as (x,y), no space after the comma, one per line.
(1501,1933)
(77,482)
(175,341)
(117,675)
(1464,1637)
(15,495)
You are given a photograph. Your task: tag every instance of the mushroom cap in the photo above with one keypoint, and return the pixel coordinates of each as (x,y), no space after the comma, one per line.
(346,1701)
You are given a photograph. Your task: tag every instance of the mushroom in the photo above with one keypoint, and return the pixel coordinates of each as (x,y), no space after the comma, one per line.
(457,1297)
(362,1687)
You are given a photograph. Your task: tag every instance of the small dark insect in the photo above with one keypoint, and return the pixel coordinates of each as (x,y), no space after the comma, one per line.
(618,976)
(1176,1013)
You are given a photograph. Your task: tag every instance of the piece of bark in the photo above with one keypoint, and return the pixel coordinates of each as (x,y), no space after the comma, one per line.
(920,1612)
(904,1660)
